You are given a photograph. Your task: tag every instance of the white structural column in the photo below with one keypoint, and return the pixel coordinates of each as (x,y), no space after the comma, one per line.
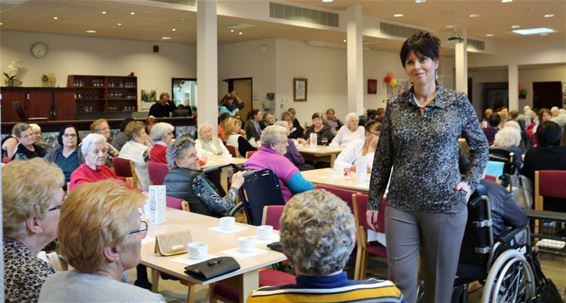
(513,80)
(461,64)
(355,60)
(207,63)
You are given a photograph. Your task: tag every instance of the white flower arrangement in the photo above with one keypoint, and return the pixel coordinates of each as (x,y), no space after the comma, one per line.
(13,68)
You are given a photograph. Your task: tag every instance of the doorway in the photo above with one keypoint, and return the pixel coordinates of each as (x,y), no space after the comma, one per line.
(495,95)
(547,94)
(244,89)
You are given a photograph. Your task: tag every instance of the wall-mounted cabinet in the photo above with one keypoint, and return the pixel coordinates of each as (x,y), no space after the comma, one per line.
(97,94)
(37,104)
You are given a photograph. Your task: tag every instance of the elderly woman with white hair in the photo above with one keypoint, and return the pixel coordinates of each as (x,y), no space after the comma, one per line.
(100,235)
(207,145)
(162,135)
(349,132)
(509,138)
(31,214)
(271,156)
(318,234)
(94,150)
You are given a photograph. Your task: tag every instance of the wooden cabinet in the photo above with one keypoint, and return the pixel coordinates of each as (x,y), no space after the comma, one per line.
(37,104)
(96,94)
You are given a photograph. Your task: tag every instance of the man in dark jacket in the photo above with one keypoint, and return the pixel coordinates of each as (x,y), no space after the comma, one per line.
(163,108)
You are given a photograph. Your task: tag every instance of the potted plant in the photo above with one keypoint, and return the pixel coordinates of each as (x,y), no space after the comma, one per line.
(10,76)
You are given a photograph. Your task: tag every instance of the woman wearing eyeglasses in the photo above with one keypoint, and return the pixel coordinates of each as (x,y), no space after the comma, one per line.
(100,234)
(31,214)
(66,155)
(359,149)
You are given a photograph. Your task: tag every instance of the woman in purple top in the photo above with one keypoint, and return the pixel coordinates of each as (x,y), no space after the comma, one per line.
(270,155)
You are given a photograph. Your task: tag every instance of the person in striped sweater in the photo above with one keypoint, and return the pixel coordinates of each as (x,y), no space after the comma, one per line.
(318,234)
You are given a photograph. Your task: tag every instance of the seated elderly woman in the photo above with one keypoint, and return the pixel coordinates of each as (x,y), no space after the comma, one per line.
(323,132)
(331,120)
(9,143)
(235,138)
(137,150)
(271,156)
(318,234)
(101,126)
(186,180)
(94,149)
(207,145)
(31,214)
(26,148)
(509,138)
(360,149)
(161,134)
(100,234)
(293,153)
(66,155)
(349,132)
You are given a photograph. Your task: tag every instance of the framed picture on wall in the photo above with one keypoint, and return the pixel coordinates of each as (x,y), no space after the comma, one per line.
(299,89)
(372,86)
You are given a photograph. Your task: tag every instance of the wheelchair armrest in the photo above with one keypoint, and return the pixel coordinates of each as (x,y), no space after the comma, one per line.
(236,209)
(515,237)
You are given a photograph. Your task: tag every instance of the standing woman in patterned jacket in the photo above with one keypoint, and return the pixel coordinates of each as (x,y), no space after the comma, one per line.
(427,197)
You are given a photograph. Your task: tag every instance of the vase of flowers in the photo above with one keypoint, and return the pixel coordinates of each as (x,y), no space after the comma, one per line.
(10,76)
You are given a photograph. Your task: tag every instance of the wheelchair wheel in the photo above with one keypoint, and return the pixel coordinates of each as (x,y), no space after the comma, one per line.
(510,279)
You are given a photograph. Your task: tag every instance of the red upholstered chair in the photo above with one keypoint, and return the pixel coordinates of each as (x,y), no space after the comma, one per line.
(267,277)
(342,193)
(157,172)
(271,215)
(551,184)
(5,160)
(360,208)
(125,168)
(233,151)
(249,153)
(177,203)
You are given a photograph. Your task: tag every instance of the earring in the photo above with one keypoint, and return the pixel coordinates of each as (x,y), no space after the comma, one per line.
(436,74)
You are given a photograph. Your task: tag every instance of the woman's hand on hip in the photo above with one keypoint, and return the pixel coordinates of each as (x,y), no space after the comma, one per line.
(371,217)
(465,187)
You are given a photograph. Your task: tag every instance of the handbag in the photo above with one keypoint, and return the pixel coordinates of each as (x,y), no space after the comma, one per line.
(212,268)
(172,243)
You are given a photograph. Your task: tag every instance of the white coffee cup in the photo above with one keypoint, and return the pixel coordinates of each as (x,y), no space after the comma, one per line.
(247,244)
(197,250)
(227,223)
(264,232)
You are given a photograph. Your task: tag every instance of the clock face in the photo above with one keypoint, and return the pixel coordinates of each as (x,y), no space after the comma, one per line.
(39,50)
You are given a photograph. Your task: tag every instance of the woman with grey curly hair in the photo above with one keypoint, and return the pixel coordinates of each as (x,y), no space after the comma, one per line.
(161,134)
(318,233)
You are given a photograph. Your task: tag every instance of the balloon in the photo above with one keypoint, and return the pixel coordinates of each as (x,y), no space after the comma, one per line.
(393,82)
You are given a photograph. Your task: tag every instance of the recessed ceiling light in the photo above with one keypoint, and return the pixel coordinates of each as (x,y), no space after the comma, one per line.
(166,38)
(506,1)
(345,41)
(232,30)
(515,26)
(240,33)
(183,19)
(327,1)
(132,13)
(55,18)
(1,23)
(104,12)
(449,26)
(397,15)
(533,31)
(474,15)
(173,29)
(489,35)
(119,24)
(91,31)
(548,15)
(420,1)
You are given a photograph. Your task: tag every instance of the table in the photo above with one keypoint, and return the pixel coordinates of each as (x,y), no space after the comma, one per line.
(213,162)
(246,279)
(328,176)
(324,153)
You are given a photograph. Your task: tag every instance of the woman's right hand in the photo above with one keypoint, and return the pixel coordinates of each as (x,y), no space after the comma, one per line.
(371,217)
(238,179)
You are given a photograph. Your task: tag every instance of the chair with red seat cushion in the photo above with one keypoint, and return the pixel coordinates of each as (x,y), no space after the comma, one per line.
(376,249)
(342,193)
(177,203)
(157,172)
(550,184)
(125,168)
(233,151)
(267,277)
(271,215)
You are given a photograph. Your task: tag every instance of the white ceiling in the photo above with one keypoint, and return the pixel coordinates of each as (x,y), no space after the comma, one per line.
(151,23)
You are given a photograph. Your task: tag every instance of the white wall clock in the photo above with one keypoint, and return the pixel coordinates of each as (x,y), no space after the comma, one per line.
(39,50)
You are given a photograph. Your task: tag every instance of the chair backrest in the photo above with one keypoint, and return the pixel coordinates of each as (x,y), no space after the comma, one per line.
(157,172)
(261,188)
(342,193)
(551,184)
(505,156)
(271,215)
(232,150)
(360,207)
(177,203)
(125,168)
(477,245)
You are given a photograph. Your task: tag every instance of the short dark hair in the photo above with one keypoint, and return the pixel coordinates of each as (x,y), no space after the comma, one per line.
(423,43)
(373,126)
(494,120)
(316,115)
(62,132)
(548,134)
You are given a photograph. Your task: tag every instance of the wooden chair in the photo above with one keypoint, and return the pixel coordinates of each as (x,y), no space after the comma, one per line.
(233,151)
(551,184)
(157,172)
(342,193)
(125,168)
(360,202)
(177,203)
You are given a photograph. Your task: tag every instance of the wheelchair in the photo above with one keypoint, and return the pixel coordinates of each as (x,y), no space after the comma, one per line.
(502,265)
